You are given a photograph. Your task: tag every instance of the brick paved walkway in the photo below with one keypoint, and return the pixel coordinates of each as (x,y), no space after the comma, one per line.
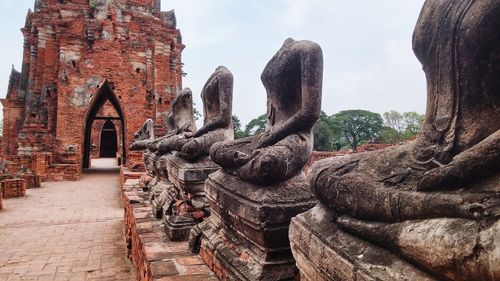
(66,231)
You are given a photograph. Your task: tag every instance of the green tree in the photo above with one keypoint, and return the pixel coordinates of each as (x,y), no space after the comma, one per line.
(196,113)
(323,134)
(256,126)
(388,135)
(399,127)
(238,133)
(414,122)
(395,126)
(358,126)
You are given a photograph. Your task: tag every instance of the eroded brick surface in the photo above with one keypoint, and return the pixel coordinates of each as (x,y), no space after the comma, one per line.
(154,256)
(75,53)
(65,231)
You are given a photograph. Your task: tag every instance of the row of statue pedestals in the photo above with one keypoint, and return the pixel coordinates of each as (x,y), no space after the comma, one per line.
(225,218)
(425,210)
(234,199)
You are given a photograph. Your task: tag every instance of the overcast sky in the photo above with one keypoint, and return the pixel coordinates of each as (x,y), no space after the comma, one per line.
(369,63)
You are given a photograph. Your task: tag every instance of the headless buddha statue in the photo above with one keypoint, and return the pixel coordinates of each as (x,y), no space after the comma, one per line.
(143,136)
(180,124)
(293,81)
(435,201)
(217,97)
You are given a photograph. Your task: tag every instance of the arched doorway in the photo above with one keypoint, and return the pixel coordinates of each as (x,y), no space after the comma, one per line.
(104,95)
(109,140)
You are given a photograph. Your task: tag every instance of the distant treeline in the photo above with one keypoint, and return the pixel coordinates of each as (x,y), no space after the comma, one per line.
(349,128)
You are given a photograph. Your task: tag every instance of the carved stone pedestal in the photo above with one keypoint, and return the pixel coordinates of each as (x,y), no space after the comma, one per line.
(189,179)
(162,198)
(324,252)
(246,236)
(149,179)
(161,189)
(177,228)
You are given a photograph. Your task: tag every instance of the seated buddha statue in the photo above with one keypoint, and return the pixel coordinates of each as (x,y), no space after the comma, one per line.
(144,136)
(435,201)
(180,124)
(293,82)
(217,97)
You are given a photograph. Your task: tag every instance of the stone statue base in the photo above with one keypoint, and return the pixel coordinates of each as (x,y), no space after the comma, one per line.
(326,253)
(160,187)
(189,179)
(162,197)
(177,228)
(149,157)
(246,236)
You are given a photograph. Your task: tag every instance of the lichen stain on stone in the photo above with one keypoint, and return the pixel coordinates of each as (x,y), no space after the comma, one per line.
(81,96)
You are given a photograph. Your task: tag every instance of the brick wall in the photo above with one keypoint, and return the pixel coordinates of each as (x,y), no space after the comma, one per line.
(318,155)
(13,188)
(72,53)
(154,257)
(31,179)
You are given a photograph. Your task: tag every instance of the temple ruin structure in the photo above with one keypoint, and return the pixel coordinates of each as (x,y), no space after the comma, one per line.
(102,64)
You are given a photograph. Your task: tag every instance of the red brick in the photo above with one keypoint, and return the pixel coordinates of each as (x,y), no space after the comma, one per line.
(190,261)
(71,52)
(12,188)
(163,268)
(150,252)
(318,155)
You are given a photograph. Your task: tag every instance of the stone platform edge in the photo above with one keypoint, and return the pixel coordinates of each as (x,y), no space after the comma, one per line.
(153,256)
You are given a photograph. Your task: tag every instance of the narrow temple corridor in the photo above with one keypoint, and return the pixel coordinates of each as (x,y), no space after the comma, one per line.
(66,230)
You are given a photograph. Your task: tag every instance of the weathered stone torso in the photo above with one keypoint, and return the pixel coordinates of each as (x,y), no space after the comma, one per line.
(458,44)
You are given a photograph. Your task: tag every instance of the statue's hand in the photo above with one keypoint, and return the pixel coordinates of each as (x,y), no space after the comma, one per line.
(190,148)
(267,139)
(241,158)
(188,135)
(184,128)
(434,179)
(479,161)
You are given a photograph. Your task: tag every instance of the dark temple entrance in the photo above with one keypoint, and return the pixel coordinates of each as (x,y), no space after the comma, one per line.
(109,145)
(105,106)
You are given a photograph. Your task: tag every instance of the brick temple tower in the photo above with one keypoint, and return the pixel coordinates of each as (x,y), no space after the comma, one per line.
(107,64)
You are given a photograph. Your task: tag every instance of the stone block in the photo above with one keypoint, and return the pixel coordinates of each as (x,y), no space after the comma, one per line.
(163,193)
(191,204)
(177,228)
(190,177)
(246,236)
(163,268)
(153,256)
(323,252)
(13,188)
